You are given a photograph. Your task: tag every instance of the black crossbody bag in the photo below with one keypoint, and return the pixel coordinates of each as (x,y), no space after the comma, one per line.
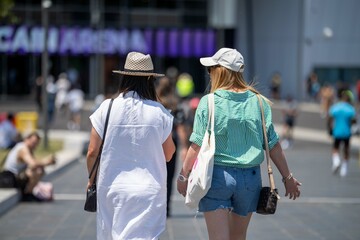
(91,199)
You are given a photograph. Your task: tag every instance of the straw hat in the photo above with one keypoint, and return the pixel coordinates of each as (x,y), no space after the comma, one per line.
(138,64)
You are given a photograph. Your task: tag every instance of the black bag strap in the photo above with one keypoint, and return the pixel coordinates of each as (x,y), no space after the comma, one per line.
(97,161)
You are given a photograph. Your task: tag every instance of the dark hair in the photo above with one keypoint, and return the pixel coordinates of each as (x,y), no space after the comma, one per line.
(10,116)
(142,85)
(347,96)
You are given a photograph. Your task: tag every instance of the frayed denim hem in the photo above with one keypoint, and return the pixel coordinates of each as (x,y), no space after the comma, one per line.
(230,209)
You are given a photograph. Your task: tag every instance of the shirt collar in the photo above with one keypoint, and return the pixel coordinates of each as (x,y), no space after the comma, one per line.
(233,95)
(131,94)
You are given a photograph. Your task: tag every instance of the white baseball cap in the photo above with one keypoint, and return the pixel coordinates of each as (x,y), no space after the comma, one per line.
(226,57)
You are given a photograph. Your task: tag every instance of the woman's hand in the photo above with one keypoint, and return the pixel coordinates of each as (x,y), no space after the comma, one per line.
(292,188)
(52,159)
(88,184)
(182,186)
(291,184)
(182,180)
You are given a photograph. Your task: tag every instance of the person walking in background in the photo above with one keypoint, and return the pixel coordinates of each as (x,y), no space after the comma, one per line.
(38,93)
(239,150)
(314,86)
(289,115)
(327,95)
(275,85)
(168,97)
(131,181)
(75,101)
(63,86)
(341,116)
(51,89)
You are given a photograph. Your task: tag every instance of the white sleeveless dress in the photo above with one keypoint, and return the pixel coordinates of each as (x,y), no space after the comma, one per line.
(132,175)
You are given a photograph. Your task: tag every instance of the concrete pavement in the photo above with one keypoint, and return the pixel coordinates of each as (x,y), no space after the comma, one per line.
(328,207)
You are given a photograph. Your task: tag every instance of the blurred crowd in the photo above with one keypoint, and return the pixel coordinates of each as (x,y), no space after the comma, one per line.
(63,94)
(176,92)
(64,98)
(339,105)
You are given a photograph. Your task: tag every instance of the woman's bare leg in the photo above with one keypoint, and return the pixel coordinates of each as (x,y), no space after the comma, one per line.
(238,226)
(218,231)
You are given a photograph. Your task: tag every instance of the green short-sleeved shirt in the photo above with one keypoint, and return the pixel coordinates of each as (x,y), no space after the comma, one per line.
(238,128)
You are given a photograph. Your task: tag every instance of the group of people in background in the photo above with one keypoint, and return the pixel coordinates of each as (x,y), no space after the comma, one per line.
(178,98)
(63,94)
(338,106)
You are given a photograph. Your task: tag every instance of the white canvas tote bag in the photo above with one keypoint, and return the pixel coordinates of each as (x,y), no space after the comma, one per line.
(200,177)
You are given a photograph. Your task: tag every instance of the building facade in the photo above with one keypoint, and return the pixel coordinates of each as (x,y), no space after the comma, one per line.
(89,39)
(291,38)
(295,38)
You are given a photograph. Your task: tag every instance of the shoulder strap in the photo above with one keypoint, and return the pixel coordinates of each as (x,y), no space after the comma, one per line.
(270,171)
(211,116)
(96,164)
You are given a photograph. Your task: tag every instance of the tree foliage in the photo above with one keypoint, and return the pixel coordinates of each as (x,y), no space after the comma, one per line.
(5,11)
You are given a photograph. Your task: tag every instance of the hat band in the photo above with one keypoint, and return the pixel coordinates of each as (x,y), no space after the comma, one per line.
(144,71)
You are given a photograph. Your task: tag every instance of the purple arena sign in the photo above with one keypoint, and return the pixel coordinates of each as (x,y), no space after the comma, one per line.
(86,41)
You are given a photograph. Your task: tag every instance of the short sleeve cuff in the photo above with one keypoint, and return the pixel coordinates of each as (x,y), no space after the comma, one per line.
(196,138)
(96,124)
(168,127)
(273,137)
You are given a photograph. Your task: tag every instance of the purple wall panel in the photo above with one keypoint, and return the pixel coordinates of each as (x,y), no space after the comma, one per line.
(74,41)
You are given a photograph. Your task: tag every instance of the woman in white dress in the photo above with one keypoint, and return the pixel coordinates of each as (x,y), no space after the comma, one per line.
(131,181)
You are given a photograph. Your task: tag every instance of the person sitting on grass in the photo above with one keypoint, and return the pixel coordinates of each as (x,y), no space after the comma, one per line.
(24,167)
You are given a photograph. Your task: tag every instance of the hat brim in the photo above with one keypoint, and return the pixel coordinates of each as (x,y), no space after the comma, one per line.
(208,62)
(142,74)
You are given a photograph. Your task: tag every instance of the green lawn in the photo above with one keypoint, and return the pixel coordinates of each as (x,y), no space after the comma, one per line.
(54,146)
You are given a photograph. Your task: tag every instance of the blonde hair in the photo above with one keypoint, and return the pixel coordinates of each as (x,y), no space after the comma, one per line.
(223,78)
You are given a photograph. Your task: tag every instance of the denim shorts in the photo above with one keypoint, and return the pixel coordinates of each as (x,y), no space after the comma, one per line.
(237,189)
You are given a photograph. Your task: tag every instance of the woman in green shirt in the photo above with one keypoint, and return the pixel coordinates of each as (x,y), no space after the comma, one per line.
(239,150)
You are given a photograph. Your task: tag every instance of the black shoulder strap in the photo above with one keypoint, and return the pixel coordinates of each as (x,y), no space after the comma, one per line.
(96,164)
